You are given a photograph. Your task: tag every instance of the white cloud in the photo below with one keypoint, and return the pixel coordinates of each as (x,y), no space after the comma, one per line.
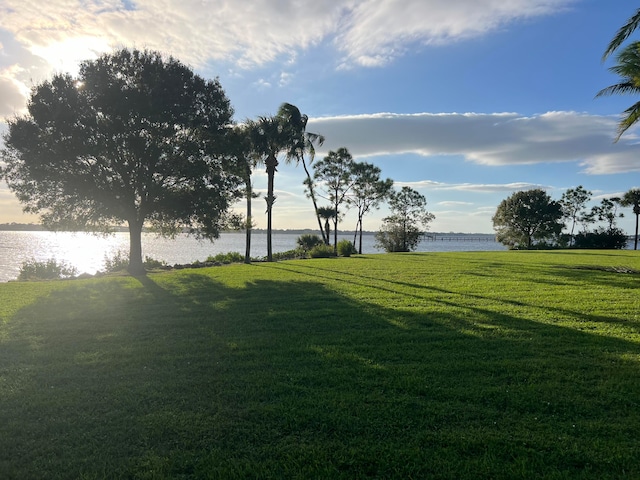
(489,139)
(249,33)
(471,187)
(377,32)
(452,203)
(285,79)
(262,84)
(245,34)
(13,93)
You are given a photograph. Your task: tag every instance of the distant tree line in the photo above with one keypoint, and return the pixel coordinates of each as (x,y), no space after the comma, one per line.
(532,220)
(141,140)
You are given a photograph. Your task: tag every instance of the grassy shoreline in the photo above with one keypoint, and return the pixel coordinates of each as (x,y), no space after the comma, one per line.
(428,365)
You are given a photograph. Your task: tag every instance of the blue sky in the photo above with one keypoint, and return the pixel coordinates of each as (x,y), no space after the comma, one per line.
(466,101)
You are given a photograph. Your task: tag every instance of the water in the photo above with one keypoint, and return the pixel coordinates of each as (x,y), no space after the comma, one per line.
(87,252)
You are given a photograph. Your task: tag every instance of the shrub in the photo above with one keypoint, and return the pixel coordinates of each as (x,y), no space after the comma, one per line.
(398,238)
(48,270)
(604,239)
(290,254)
(120,262)
(226,258)
(153,263)
(322,251)
(307,241)
(345,248)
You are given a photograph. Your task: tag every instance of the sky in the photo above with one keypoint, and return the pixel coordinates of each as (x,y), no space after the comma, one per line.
(465,101)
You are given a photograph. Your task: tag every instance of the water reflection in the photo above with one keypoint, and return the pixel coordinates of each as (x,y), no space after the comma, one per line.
(86,252)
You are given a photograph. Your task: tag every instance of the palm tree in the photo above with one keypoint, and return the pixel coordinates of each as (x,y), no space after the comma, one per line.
(244,151)
(628,68)
(327,214)
(625,31)
(632,199)
(269,137)
(302,142)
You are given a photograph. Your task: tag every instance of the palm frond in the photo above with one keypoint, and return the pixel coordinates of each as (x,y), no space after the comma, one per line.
(631,117)
(623,33)
(619,89)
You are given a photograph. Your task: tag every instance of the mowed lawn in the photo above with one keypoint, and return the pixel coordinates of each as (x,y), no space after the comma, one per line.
(498,365)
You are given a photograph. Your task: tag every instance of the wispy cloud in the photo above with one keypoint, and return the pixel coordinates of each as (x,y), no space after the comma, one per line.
(471,187)
(454,204)
(60,33)
(375,33)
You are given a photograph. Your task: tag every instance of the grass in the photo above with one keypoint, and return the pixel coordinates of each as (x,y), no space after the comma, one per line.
(499,365)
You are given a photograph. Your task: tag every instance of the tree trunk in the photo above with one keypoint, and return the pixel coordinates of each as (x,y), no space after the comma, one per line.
(136,266)
(247,254)
(272,164)
(573,225)
(355,232)
(312,194)
(635,242)
(360,246)
(327,228)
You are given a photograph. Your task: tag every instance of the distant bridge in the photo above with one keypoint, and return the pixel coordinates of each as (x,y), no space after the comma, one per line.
(459,238)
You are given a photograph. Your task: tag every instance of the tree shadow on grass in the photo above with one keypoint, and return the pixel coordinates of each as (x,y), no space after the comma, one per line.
(184,376)
(460,298)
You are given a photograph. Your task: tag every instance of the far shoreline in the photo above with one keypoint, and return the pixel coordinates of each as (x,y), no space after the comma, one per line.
(35,227)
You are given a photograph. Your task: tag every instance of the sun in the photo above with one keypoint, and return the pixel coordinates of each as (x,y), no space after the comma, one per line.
(66,55)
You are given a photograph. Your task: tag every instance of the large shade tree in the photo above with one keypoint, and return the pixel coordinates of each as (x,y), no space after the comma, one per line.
(134,138)
(632,199)
(526,217)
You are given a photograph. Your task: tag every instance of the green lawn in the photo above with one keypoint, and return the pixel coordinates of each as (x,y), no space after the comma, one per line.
(498,365)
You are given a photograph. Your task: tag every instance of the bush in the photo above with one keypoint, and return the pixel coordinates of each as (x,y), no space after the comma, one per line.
(398,238)
(307,241)
(120,262)
(226,258)
(151,263)
(290,254)
(601,239)
(49,270)
(322,251)
(346,248)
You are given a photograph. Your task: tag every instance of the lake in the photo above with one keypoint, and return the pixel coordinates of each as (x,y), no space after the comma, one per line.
(87,252)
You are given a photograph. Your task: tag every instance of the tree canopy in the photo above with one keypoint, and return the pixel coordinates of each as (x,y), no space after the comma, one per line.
(632,199)
(367,193)
(526,217)
(573,203)
(135,138)
(335,176)
(402,230)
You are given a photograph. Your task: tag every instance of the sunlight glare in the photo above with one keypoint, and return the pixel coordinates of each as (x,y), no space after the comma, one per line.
(66,55)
